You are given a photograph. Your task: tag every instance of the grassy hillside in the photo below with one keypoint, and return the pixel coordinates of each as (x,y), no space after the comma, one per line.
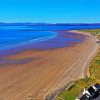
(79,85)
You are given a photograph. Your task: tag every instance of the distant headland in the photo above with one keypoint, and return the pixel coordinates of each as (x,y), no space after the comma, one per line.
(63,24)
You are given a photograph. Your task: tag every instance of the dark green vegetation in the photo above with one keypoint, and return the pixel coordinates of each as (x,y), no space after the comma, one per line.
(79,85)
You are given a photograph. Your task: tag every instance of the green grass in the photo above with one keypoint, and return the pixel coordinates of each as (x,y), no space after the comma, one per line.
(79,85)
(93,32)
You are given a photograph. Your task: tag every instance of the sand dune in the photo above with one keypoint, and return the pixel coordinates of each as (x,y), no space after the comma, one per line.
(41,72)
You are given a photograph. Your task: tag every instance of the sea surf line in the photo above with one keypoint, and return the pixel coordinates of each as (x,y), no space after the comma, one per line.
(53,34)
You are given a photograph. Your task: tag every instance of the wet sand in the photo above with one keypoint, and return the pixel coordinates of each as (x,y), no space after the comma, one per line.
(33,74)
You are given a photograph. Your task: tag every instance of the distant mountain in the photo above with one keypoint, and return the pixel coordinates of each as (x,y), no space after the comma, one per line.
(15,24)
(78,24)
(57,24)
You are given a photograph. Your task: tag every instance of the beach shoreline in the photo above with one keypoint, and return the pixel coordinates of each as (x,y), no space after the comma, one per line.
(45,72)
(91,55)
(46,44)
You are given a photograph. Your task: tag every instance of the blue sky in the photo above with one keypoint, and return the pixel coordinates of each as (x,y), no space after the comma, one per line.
(50,11)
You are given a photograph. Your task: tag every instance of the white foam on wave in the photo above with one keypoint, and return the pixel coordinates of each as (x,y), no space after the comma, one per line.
(53,34)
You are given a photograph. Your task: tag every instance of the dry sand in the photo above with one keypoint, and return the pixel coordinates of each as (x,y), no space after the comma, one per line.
(43,71)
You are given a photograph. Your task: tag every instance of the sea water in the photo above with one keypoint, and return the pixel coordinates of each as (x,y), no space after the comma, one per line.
(12,37)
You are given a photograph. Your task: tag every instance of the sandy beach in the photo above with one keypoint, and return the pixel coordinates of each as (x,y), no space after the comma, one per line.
(37,73)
